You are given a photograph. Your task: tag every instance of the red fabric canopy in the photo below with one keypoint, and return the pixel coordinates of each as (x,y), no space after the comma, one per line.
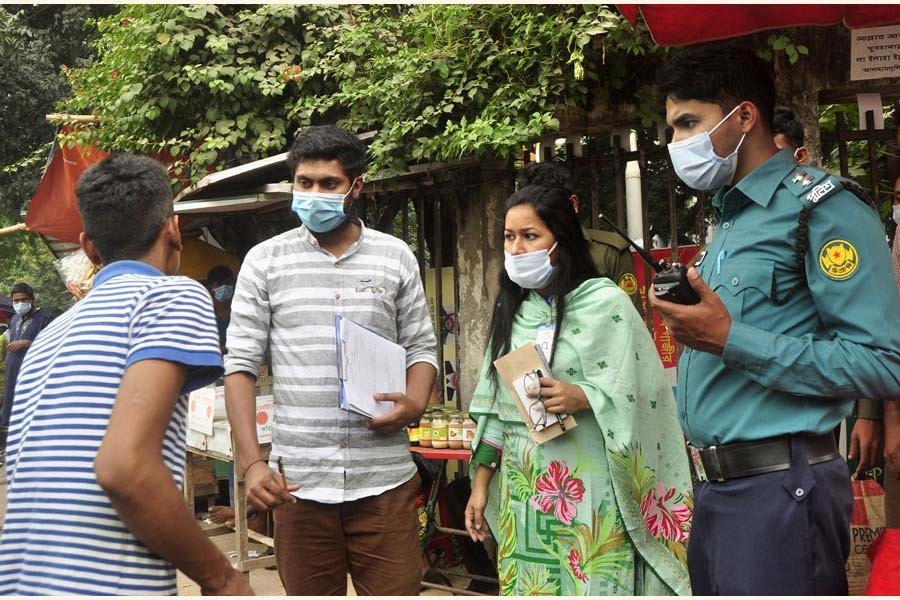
(53,210)
(685,24)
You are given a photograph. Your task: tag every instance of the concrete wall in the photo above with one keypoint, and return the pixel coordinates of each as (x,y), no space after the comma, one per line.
(480,256)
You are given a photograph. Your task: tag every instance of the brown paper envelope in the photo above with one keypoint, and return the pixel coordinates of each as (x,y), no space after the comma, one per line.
(513,367)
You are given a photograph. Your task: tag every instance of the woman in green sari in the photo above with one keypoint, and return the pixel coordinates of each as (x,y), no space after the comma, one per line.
(605,508)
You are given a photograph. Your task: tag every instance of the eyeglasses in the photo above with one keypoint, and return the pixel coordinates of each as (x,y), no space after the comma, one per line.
(536,410)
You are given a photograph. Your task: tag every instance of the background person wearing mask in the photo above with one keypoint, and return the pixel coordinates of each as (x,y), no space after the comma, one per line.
(221,283)
(25,325)
(779,345)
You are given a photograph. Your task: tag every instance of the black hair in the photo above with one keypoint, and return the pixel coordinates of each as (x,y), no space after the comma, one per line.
(219,274)
(574,265)
(124,201)
(787,124)
(723,74)
(329,142)
(547,174)
(22,288)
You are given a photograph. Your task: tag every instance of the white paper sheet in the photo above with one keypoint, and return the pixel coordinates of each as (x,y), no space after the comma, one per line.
(368,364)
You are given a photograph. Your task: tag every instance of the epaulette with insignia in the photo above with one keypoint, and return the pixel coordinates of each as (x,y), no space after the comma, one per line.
(608,238)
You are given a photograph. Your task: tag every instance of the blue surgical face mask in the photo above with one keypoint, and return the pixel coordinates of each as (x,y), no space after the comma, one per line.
(22,308)
(530,271)
(320,212)
(697,164)
(224,293)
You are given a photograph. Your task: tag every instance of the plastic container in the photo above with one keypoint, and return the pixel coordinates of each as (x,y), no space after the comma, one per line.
(439,431)
(425,431)
(455,432)
(469,427)
(413,432)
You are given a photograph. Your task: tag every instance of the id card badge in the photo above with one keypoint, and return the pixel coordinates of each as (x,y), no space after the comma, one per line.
(544,340)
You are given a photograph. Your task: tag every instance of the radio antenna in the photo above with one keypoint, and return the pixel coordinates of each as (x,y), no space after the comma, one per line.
(648,258)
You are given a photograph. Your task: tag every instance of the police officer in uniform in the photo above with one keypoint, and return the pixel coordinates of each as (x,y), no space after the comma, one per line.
(609,250)
(797,317)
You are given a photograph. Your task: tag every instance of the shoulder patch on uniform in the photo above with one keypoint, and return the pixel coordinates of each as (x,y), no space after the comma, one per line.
(628,282)
(824,190)
(608,238)
(838,259)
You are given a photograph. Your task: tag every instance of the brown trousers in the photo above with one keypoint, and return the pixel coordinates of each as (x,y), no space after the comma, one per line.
(374,539)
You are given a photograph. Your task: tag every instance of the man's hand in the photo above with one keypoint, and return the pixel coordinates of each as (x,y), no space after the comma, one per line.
(865,443)
(232,585)
(265,490)
(19,345)
(702,326)
(892,436)
(406,411)
(561,397)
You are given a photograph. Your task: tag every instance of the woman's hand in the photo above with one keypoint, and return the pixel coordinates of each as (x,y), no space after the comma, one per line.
(475,523)
(562,397)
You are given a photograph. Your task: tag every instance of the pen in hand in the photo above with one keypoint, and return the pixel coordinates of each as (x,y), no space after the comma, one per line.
(283,478)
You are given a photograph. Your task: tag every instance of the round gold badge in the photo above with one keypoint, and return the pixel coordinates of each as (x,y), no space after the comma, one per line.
(838,259)
(628,282)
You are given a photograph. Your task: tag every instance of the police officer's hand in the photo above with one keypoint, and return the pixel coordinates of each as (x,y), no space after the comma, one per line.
(892,437)
(702,326)
(865,443)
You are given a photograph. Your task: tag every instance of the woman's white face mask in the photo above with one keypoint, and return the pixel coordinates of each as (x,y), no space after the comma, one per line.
(696,163)
(532,270)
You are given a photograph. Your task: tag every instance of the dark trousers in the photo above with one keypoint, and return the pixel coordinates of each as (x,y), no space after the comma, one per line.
(375,540)
(781,533)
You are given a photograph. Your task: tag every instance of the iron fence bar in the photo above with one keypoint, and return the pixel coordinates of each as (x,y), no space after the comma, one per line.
(438,286)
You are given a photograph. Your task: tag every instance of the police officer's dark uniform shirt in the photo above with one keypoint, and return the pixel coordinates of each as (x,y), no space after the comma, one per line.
(797,367)
(612,257)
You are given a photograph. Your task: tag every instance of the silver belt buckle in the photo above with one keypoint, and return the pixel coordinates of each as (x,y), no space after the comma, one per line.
(697,461)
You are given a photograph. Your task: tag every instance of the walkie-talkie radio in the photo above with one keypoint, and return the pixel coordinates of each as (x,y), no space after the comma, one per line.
(670,282)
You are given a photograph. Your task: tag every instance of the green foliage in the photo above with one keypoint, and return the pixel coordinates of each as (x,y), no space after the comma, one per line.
(35,42)
(217,85)
(782,42)
(24,257)
(207,84)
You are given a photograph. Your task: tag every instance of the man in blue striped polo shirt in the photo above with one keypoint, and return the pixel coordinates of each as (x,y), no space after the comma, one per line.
(357,481)
(97,436)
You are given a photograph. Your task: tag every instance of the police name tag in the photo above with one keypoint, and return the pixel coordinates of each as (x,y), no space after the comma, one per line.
(544,340)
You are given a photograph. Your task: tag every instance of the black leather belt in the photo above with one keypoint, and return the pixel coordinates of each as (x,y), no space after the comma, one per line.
(742,459)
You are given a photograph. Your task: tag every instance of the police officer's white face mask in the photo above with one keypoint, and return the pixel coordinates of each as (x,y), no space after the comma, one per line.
(532,270)
(697,164)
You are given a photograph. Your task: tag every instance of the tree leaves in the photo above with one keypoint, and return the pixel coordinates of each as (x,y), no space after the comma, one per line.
(435,81)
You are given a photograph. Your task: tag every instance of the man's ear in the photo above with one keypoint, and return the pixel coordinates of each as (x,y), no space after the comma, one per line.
(89,249)
(173,232)
(358,184)
(749,115)
(802,155)
(574,200)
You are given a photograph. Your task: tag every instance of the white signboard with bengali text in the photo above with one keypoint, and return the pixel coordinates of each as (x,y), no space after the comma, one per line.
(875,52)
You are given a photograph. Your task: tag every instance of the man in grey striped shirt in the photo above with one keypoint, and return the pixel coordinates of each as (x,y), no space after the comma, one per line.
(354,477)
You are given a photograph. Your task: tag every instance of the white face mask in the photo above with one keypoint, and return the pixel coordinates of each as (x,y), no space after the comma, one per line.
(897,214)
(697,164)
(532,270)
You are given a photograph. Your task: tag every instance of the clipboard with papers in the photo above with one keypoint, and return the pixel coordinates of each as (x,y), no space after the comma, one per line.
(368,364)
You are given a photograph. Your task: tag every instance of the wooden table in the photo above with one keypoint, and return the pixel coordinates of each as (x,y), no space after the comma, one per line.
(241,532)
(444,455)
